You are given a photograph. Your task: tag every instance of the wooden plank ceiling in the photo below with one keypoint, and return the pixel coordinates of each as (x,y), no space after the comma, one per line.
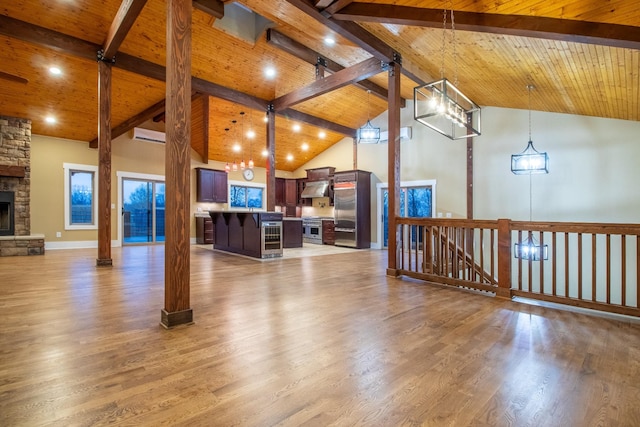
(493,66)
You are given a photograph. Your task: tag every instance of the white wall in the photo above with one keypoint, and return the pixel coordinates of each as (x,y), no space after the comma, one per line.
(593,166)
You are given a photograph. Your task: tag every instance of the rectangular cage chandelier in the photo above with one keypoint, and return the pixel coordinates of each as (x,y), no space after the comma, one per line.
(442,107)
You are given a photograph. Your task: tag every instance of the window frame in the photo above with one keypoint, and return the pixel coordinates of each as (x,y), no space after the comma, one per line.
(75,167)
(263,187)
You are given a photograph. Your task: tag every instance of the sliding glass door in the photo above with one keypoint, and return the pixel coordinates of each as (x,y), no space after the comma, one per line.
(142,211)
(416,201)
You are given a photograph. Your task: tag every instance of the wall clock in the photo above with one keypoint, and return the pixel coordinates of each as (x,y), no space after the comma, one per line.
(247,174)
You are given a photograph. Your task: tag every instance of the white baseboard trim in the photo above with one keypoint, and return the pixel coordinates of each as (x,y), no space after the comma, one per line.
(78,244)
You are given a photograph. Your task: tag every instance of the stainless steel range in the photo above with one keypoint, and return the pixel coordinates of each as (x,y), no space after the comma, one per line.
(312,230)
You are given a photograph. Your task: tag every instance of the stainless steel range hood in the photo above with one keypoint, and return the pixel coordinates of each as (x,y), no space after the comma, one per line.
(315,189)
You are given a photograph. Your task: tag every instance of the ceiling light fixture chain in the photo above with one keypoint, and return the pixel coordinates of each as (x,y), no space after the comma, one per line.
(444,41)
(454,43)
(440,105)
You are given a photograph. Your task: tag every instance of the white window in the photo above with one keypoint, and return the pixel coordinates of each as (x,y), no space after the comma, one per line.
(245,196)
(80,197)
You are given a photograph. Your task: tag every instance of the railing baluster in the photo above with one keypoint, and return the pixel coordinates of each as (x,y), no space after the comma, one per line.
(520,263)
(481,243)
(494,232)
(623,268)
(554,259)
(566,265)
(608,268)
(541,236)
(579,265)
(593,267)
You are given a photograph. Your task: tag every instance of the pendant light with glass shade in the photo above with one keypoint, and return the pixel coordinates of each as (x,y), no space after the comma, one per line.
(234,167)
(530,162)
(368,134)
(440,105)
(227,167)
(251,134)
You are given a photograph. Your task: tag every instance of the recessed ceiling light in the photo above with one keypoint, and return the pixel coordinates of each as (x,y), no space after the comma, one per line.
(329,41)
(251,133)
(304,146)
(321,135)
(55,71)
(270,72)
(296,128)
(265,153)
(266,119)
(50,119)
(289,157)
(236,148)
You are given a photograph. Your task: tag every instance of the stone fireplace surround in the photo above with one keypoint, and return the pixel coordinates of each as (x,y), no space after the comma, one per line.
(15,177)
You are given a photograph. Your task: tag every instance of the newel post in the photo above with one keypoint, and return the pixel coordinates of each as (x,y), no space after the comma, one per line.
(504,259)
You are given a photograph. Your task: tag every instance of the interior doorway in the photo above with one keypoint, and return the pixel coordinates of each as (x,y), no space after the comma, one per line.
(142,209)
(417,200)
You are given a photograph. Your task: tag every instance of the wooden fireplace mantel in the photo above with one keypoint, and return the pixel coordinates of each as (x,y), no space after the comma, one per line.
(14,171)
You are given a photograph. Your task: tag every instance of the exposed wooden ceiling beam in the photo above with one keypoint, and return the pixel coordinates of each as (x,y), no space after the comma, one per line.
(349,30)
(623,36)
(134,121)
(310,56)
(63,43)
(363,70)
(315,121)
(122,23)
(336,6)
(321,4)
(214,8)
(362,38)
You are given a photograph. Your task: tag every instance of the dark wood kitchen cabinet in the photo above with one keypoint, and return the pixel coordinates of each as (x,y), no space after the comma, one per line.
(328,232)
(204,230)
(211,185)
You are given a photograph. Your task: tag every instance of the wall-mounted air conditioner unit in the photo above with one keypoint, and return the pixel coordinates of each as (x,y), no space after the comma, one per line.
(405,133)
(149,135)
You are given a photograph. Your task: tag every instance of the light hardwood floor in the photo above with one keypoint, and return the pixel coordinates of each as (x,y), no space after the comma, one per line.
(320,341)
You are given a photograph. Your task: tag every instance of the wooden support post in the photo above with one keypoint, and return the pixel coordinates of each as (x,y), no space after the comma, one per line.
(355,153)
(504,259)
(394,168)
(271,162)
(177,309)
(469,236)
(104,164)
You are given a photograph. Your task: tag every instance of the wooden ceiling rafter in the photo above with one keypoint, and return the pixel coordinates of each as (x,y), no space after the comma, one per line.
(363,38)
(568,30)
(138,119)
(312,57)
(214,8)
(363,70)
(63,43)
(122,23)
(336,6)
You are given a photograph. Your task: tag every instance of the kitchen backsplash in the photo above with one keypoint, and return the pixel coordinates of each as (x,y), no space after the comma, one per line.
(320,207)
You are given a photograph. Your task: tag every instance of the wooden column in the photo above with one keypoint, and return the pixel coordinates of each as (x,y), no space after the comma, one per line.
(394,167)
(177,309)
(104,164)
(271,162)
(470,177)
(355,153)
(504,259)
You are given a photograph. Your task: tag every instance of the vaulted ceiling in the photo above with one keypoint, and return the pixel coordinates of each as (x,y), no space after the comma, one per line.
(583,58)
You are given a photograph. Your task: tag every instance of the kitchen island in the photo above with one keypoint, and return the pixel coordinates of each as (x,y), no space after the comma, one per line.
(254,234)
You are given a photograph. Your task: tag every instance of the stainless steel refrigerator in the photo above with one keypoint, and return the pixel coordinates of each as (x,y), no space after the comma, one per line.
(352,208)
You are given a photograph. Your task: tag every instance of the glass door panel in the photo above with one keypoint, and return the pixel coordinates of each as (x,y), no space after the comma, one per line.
(415,201)
(143,208)
(159,211)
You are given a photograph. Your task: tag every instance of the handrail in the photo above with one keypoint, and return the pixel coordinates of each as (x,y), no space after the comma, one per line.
(592,265)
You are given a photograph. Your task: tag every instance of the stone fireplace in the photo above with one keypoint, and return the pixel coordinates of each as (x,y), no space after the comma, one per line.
(15,190)
(7,212)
